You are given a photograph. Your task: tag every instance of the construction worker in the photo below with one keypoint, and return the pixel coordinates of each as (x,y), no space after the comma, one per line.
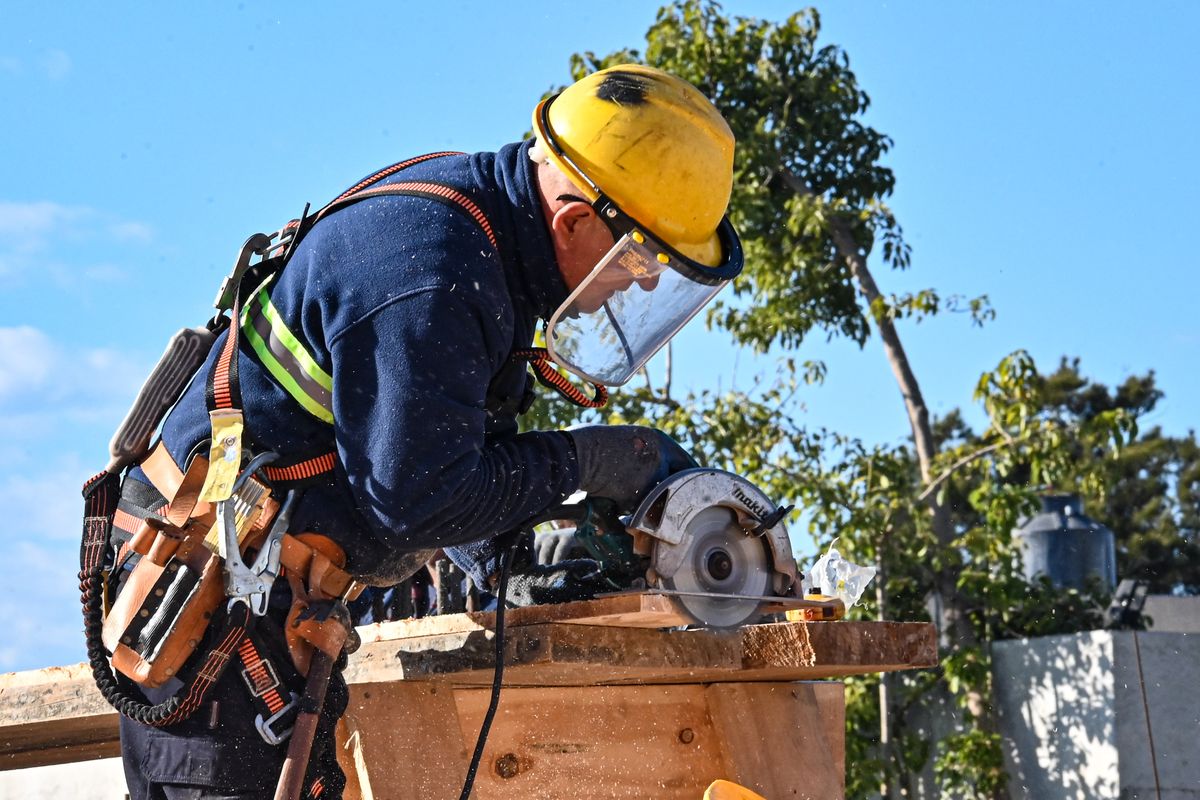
(397,338)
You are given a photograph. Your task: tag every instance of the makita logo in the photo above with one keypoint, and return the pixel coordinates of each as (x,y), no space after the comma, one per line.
(755,506)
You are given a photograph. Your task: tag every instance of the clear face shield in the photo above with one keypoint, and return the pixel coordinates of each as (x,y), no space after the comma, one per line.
(636,298)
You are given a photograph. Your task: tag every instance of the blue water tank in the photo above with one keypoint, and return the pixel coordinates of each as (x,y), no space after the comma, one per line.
(1066,545)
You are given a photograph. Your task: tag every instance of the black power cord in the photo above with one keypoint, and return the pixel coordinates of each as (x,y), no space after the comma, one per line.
(506,559)
(600,515)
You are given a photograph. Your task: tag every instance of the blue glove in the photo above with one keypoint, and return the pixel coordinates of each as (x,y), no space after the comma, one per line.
(624,462)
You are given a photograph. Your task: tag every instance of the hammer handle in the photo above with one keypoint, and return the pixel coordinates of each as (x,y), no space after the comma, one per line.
(291,779)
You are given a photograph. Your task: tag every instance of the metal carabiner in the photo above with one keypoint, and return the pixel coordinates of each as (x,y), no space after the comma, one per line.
(256,245)
(251,584)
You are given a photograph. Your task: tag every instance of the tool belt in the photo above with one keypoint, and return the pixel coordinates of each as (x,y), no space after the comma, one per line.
(188,600)
(172,582)
(175,587)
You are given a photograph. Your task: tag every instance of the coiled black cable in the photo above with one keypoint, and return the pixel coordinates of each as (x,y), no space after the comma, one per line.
(169,711)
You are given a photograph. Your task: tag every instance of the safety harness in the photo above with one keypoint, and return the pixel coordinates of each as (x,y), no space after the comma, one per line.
(166,590)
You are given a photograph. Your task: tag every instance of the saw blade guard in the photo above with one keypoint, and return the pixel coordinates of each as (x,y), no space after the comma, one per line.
(667,514)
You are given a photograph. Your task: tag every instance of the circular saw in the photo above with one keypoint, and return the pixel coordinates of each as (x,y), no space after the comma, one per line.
(717,546)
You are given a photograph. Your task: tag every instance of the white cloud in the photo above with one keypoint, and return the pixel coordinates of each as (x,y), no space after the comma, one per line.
(44,383)
(39,599)
(34,236)
(39,595)
(46,501)
(131,232)
(49,392)
(28,226)
(56,64)
(27,357)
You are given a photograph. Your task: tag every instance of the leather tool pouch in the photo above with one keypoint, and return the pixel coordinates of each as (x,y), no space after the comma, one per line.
(177,587)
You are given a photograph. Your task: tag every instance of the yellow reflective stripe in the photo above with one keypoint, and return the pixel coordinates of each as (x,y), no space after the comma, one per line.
(260,311)
(303,359)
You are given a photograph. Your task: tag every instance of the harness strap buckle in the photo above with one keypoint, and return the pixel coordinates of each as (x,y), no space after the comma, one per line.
(260,678)
(286,715)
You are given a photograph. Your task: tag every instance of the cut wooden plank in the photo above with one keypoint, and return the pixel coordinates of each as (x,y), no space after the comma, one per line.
(549,655)
(56,715)
(619,610)
(807,650)
(601,743)
(408,741)
(783,740)
(625,610)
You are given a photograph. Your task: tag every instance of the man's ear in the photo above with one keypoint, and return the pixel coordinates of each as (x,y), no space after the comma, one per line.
(571,218)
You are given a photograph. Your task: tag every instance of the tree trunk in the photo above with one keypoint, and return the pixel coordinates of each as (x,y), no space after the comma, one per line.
(952,622)
(953,625)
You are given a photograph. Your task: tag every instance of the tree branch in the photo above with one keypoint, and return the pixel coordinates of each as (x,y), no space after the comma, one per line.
(962,462)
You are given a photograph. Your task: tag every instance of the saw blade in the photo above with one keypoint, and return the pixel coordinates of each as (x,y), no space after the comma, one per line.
(722,559)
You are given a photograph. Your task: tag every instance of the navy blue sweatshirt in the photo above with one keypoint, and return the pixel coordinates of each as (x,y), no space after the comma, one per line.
(407,304)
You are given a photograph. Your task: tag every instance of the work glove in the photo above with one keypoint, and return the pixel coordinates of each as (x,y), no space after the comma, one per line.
(573,579)
(553,546)
(624,462)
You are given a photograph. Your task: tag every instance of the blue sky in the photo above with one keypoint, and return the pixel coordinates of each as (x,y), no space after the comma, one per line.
(1044,156)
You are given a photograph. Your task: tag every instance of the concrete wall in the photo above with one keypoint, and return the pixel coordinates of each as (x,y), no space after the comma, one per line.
(1173,614)
(1078,713)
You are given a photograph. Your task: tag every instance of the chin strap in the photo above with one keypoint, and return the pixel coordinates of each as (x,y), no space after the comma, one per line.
(548,376)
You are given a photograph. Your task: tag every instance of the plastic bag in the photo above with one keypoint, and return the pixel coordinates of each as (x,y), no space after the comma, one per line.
(834,576)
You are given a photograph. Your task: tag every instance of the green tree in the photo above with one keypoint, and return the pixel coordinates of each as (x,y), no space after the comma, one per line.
(810,199)
(936,515)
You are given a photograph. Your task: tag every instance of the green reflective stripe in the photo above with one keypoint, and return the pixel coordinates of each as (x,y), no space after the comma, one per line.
(286,359)
(303,359)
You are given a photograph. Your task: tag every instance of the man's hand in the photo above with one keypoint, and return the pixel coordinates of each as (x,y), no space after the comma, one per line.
(560,544)
(624,462)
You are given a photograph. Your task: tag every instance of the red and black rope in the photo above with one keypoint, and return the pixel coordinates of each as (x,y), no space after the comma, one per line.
(551,378)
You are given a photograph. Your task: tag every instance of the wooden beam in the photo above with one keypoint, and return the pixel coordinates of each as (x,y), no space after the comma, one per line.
(56,715)
(405,742)
(782,739)
(617,742)
(619,610)
(548,655)
(572,655)
(603,742)
(624,610)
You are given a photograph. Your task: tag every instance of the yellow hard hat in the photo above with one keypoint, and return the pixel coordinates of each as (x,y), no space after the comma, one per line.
(654,145)
(724,790)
